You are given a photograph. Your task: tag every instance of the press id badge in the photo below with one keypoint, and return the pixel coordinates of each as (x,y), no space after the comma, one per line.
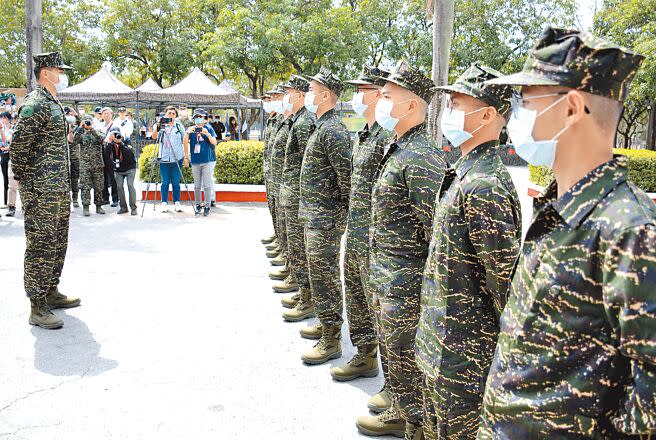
(117,164)
(197,149)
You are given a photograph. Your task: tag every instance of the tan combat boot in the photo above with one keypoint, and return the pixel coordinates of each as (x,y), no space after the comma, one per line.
(272,246)
(329,346)
(280,260)
(380,402)
(268,240)
(291,301)
(42,316)
(280,275)
(387,423)
(363,364)
(273,253)
(312,332)
(85,211)
(288,285)
(99,210)
(302,310)
(58,300)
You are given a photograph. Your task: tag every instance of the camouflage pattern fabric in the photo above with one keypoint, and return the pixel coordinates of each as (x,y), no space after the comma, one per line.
(302,127)
(328,79)
(476,239)
(40,162)
(578,60)
(325,187)
(414,80)
(367,154)
(403,200)
(270,134)
(74,154)
(276,163)
(49,59)
(92,174)
(575,356)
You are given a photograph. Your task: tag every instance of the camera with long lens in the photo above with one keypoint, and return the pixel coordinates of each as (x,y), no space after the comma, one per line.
(87,123)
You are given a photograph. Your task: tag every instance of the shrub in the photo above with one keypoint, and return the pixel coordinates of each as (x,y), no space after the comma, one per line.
(236,162)
(642,169)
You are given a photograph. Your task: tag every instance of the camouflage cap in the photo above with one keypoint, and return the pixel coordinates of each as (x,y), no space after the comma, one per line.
(49,59)
(413,80)
(370,76)
(473,83)
(329,79)
(578,60)
(87,118)
(299,83)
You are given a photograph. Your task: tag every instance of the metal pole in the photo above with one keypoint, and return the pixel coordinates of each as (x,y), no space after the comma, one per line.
(33,38)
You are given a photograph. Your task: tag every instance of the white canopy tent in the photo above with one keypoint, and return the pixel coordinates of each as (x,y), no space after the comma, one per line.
(101,87)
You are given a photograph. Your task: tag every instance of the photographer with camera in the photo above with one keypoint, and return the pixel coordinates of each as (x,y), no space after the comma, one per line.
(125,168)
(170,134)
(124,124)
(92,166)
(200,141)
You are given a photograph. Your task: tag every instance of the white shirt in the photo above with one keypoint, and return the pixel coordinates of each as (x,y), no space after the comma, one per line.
(98,124)
(126,126)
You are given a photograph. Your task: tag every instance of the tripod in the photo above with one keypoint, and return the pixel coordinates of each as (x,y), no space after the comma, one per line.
(160,136)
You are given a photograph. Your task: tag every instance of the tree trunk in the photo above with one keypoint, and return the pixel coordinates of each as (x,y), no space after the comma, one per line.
(443,17)
(33,39)
(651,128)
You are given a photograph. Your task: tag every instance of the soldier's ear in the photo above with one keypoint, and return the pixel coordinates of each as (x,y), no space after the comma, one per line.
(489,115)
(576,107)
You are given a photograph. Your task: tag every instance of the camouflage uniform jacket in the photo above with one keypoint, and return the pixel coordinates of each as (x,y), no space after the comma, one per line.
(91,148)
(275,124)
(39,148)
(326,174)
(476,239)
(277,155)
(403,201)
(302,127)
(576,355)
(367,155)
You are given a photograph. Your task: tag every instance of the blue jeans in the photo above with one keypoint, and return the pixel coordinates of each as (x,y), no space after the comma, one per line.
(170,175)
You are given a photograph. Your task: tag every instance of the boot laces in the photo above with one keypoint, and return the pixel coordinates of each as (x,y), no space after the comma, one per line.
(359,357)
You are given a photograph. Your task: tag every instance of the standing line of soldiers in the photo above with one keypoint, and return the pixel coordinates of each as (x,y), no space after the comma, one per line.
(479,336)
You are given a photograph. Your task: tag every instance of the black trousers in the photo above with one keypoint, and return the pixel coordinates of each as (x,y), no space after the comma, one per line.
(110,183)
(4,164)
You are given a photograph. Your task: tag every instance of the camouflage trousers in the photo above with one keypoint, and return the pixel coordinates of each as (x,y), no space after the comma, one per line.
(396,300)
(296,255)
(447,416)
(359,307)
(271,203)
(323,247)
(92,179)
(75,177)
(47,215)
(281,229)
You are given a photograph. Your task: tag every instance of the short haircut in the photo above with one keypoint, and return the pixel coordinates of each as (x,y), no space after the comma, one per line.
(170,107)
(6,115)
(37,72)
(606,112)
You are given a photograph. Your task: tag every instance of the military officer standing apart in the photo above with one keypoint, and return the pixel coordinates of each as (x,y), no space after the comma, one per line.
(325,188)
(92,174)
(39,153)
(476,238)
(576,353)
(403,199)
(367,153)
(290,192)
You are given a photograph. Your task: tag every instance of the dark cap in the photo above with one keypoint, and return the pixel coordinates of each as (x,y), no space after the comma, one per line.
(578,60)
(49,59)
(87,118)
(299,83)
(473,83)
(199,112)
(121,109)
(413,80)
(67,110)
(97,109)
(370,76)
(329,79)
(114,130)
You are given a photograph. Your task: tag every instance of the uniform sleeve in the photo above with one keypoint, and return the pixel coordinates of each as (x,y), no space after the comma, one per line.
(24,142)
(494,232)
(339,154)
(629,294)
(423,177)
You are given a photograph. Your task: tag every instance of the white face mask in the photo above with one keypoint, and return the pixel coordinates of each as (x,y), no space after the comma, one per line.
(520,129)
(357,103)
(384,109)
(62,84)
(286,104)
(453,126)
(309,102)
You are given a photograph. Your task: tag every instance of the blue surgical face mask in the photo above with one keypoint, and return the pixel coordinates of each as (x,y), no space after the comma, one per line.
(520,129)
(199,120)
(453,126)
(384,117)
(357,103)
(309,103)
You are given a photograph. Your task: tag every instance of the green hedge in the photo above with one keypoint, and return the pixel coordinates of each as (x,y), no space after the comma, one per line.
(236,162)
(642,169)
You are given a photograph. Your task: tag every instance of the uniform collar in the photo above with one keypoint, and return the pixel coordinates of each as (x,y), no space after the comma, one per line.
(298,114)
(575,205)
(410,135)
(47,93)
(329,114)
(465,163)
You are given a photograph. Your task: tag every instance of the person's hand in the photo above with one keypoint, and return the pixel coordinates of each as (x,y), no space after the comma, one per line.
(185,162)
(191,130)
(205,132)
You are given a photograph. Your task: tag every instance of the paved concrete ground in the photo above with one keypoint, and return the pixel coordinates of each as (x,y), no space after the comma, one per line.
(179,337)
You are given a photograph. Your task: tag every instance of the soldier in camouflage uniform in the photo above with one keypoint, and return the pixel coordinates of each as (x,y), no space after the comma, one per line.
(267,108)
(90,144)
(575,356)
(367,154)
(74,154)
(325,188)
(290,192)
(403,198)
(40,162)
(276,97)
(476,238)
